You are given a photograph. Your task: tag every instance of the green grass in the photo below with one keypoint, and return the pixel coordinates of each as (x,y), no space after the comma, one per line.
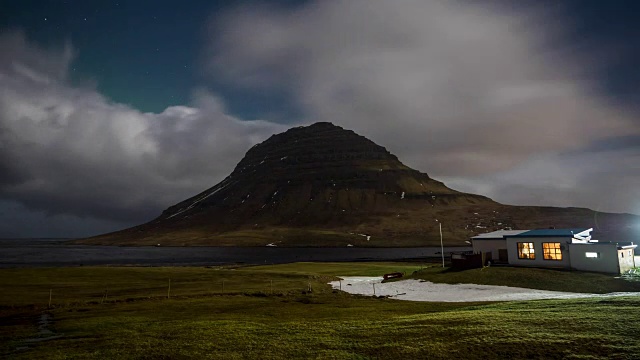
(22,287)
(338,326)
(543,279)
(342,269)
(249,322)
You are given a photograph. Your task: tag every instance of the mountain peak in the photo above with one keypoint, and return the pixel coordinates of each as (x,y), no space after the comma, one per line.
(318,146)
(322,185)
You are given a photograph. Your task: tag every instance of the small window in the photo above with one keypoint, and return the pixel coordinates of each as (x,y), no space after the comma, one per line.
(629,252)
(526,251)
(621,254)
(551,251)
(594,255)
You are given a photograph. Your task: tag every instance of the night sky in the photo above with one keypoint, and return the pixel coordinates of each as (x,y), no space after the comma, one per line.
(110,111)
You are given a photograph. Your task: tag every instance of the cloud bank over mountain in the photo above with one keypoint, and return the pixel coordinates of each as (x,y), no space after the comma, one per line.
(472,92)
(69,150)
(487,97)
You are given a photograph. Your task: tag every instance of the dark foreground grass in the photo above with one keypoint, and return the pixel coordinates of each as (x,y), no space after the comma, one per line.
(291,322)
(338,326)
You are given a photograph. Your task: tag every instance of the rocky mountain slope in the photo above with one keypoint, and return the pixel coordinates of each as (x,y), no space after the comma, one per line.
(322,185)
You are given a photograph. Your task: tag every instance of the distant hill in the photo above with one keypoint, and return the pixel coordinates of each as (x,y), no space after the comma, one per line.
(322,185)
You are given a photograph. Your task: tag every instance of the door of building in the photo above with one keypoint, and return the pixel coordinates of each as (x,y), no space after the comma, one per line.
(503,255)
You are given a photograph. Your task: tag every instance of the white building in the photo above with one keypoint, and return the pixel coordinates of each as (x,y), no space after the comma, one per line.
(556,248)
(602,257)
(493,245)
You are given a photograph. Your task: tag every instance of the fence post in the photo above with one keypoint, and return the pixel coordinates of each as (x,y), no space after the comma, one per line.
(50,293)
(374,289)
(169,289)
(340,285)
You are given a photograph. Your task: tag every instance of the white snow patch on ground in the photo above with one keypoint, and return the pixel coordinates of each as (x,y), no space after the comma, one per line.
(416,290)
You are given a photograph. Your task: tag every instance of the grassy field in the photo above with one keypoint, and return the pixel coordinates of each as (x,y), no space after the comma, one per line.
(23,287)
(252,321)
(543,279)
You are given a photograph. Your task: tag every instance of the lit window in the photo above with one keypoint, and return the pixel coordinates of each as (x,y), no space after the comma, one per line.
(551,251)
(592,254)
(526,251)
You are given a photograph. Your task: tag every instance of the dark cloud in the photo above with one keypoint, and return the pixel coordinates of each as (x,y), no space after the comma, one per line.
(19,221)
(10,172)
(602,180)
(479,94)
(462,90)
(68,151)
(625,142)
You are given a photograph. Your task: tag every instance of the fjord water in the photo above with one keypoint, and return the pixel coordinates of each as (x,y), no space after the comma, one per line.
(54,252)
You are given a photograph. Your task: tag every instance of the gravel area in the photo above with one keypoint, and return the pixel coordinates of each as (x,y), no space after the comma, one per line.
(420,290)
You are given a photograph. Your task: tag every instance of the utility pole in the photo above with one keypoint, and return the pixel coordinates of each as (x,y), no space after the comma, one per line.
(441,245)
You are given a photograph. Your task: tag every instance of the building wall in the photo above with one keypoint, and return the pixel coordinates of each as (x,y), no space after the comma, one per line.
(492,246)
(626,260)
(607,260)
(539,261)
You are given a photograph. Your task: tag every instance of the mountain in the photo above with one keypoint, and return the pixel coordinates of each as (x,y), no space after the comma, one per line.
(322,185)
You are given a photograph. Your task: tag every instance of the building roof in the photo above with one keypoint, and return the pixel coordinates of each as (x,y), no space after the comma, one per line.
(554,233)
(500,234)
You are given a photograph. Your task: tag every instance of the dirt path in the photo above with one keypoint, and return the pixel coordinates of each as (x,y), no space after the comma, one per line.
(420,290)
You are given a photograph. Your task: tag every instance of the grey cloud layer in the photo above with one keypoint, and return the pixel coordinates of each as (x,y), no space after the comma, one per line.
(463,90)
(69,150)
(472,94)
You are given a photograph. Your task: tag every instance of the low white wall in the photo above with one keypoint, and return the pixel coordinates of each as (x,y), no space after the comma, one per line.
(539,261)
(626,260)
(607,260)
(492,246)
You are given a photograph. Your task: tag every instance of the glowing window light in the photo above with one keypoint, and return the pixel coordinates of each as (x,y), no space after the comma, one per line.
(526,251)
(551,251)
